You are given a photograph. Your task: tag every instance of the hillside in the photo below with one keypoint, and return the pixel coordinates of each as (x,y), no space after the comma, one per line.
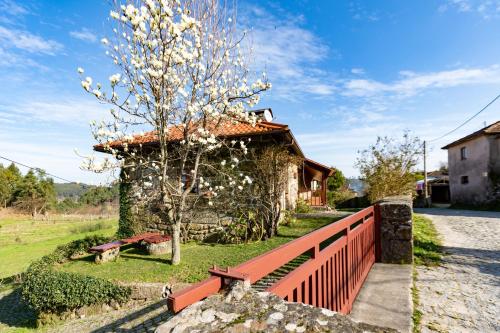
(71,190)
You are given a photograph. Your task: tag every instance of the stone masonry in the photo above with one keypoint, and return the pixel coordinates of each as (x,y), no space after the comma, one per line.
(396,238)
(243,310)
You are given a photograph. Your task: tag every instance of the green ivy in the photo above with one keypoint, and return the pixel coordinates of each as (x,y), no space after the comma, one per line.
(125,224)
(50,291)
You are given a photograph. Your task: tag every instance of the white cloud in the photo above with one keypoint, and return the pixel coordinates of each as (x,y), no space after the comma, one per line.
(357,71)
(63,110)
(487,9)
(360,13)
(12,8)
(290,54)
(84,34)
(24,40)
(411,83)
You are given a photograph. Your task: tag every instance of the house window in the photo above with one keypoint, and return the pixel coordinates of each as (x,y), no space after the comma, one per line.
(464,179)
(463,153)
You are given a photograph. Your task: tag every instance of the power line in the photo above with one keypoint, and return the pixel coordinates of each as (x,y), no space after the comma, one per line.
(465,122)
(35,168)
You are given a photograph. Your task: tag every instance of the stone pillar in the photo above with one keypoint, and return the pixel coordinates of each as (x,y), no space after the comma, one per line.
(396,236)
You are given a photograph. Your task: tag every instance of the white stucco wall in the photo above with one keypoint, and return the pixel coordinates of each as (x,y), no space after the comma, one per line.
(292,189)
(476,167)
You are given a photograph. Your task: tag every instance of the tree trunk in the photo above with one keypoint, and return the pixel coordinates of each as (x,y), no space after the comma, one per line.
(176,243)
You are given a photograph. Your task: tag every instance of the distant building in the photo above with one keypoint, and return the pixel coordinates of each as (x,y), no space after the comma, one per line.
(474,167)
(438,188)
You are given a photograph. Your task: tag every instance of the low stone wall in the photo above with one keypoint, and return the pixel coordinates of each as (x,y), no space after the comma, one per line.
(243,309)
(396,235)
(198,226)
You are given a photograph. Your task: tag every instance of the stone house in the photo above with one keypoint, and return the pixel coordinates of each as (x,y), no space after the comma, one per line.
(307,181)
(474,167)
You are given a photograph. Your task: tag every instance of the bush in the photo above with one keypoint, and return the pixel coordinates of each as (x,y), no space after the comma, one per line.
(288,218)
(302,206)
(46,290)
(338,197)
(49,291)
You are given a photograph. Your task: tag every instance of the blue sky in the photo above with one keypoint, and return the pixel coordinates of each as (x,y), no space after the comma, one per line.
(343,72)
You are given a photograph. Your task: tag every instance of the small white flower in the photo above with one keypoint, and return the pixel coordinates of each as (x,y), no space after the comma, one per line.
(80,70)
(105,41)
(114,79)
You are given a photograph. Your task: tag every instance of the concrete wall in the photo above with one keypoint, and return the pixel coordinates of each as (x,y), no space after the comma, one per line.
(476,167)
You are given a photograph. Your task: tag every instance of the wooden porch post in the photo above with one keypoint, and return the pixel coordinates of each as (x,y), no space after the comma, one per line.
(323,192)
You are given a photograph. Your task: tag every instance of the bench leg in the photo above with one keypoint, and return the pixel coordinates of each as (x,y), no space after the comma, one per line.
(159,248)
(107,256)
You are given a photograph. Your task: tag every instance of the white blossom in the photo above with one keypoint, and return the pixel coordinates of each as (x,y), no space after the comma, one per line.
(115,78)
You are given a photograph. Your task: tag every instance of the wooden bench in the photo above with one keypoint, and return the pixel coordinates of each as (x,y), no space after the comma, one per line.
(110,251)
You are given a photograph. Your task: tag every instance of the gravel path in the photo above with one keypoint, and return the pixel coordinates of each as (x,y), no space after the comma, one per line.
(463,293)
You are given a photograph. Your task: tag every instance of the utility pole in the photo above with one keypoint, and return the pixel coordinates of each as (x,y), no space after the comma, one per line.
(426,194)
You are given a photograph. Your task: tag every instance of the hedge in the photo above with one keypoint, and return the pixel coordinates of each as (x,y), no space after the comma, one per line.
(50,291)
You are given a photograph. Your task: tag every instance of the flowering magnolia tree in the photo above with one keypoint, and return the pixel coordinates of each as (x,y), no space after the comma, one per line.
(182,76)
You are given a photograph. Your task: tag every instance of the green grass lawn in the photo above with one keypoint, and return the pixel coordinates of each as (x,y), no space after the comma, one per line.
(196,258)
(23,239)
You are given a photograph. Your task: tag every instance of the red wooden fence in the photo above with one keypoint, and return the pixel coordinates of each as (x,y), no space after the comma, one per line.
(341,255)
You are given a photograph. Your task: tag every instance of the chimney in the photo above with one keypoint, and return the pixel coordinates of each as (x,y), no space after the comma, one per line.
(264,114)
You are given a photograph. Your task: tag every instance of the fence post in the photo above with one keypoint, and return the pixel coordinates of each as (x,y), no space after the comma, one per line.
(378,248)
(396,234)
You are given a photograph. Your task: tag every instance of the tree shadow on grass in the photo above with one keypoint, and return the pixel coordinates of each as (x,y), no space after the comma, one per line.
(14,312)
(156,259)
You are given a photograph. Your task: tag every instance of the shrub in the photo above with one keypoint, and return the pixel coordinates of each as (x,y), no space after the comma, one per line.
(49,291)
(387,167)
(288,218)
(340,196)
(46,290)
(302,206)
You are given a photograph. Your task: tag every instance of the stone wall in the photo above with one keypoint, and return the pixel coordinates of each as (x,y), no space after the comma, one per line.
(199,225)
(202,221)
(396,236)
(243,309)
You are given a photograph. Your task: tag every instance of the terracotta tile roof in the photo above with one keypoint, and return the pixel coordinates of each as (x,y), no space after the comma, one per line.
(488,130)
(225,129)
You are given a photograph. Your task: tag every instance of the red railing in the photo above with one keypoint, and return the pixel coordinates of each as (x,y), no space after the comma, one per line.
(340,257)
